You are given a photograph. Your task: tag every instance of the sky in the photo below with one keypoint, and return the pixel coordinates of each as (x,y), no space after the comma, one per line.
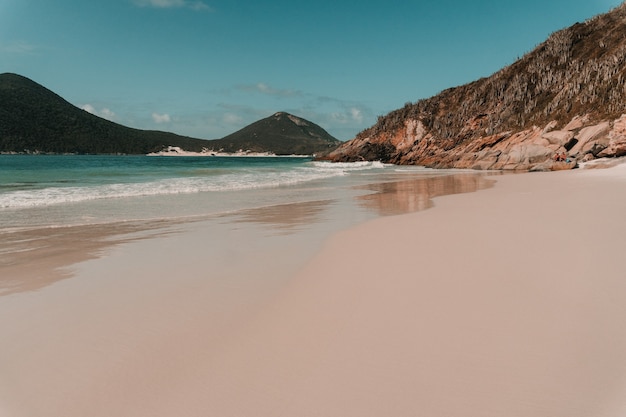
(207,68)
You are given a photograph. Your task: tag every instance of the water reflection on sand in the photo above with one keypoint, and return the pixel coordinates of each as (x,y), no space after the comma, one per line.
(285,217)
(407,196)
(393,196)
(32,259)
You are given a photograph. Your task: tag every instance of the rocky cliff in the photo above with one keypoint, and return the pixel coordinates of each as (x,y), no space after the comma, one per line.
(563,101)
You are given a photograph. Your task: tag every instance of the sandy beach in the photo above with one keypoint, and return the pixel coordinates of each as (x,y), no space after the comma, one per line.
(507,301)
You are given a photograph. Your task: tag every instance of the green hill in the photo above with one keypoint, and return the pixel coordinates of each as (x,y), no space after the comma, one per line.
(34,119)
(283,133)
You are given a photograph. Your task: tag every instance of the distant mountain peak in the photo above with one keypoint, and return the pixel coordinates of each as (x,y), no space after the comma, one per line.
(297,120)
(281,132)
(34,119)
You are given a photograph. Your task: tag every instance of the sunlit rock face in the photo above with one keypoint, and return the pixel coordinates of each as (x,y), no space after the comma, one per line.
(560,104)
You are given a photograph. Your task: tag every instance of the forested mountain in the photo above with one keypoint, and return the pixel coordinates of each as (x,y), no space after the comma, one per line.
(34,119)
(567,97)
(284,133)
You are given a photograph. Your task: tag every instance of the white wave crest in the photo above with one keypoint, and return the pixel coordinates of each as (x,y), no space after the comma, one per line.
(227,182)
(350,166)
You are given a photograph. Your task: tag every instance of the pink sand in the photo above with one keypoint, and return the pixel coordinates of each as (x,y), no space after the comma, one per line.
(505,302)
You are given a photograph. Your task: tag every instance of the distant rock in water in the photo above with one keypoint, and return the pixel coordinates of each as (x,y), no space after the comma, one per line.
(564,100)
(281,133)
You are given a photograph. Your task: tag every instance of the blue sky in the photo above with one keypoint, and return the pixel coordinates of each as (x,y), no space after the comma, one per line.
(206,68)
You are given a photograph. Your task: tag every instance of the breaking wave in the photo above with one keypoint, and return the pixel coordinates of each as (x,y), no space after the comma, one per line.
(204,181)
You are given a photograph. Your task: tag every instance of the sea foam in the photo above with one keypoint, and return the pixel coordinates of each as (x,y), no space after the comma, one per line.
(242,179)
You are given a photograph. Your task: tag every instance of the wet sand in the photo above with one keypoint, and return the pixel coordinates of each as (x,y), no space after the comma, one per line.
(504,302)
(35,258)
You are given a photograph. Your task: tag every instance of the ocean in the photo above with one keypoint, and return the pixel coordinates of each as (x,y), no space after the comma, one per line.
(41,191)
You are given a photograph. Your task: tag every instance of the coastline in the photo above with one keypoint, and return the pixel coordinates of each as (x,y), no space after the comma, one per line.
(177,151)
(40,254)
(506,301)
(515,308)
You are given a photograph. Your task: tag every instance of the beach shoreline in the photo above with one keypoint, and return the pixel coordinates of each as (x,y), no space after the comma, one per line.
(506,301)
(33,256)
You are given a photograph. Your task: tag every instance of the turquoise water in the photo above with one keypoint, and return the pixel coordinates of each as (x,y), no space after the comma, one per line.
(57,190)
(31,181)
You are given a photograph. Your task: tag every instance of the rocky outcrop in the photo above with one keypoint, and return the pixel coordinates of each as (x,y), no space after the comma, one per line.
(562,103)
(534,149)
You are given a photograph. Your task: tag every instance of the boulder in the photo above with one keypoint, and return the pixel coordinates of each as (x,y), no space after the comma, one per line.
(558,137)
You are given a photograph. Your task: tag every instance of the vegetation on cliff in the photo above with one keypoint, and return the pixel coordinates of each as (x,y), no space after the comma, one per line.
(579,71)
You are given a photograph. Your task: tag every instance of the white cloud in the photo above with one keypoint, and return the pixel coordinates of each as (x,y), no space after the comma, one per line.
(352,114)
(104,112)
(107,114)
(198,5)
(161,118)
(356,114)
(17,47)
(263,88)
(171,4)
(232,119)
(89,108)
